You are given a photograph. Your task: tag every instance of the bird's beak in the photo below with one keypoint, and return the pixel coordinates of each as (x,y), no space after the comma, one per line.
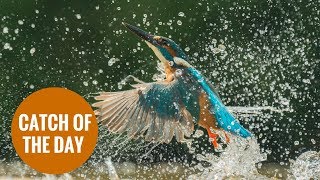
(142,34)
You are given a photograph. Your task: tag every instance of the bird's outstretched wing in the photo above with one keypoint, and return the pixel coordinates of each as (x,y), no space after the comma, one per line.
(157,111)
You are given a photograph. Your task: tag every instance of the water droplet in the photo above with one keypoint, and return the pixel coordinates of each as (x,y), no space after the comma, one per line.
(214,41)
(5,30)
(20,22)
(198,133)
(7,46)
(181,14)
(32,51)
(179,22)
(78,16)
(216,50)
(178,72)
(112,61)
(221,47)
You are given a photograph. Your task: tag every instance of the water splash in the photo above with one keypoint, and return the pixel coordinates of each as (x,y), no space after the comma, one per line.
(255,110)
(238,160)
(306,166)
(111,170)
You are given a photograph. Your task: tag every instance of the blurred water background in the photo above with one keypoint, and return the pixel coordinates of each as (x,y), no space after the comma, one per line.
(258,54)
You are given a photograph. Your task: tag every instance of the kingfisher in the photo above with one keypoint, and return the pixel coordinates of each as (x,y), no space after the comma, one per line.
(159,111)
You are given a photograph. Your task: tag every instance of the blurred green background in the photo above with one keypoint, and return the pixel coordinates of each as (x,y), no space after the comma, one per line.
(271,58)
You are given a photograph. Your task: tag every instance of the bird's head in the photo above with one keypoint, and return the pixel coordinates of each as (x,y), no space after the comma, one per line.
(165,49)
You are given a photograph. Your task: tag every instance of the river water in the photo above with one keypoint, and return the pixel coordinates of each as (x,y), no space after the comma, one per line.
(242,159)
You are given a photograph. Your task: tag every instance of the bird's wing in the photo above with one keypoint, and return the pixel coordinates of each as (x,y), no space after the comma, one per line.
(156,111)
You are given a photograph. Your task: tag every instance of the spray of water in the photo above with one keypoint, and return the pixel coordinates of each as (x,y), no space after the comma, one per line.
(239,159)
(306,166)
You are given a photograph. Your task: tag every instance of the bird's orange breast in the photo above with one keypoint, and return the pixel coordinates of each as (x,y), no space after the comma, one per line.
(206,118)
(169,72)
(171,51)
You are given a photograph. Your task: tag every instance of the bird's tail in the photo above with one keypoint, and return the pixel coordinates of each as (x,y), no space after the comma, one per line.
(224,118)
(228,122)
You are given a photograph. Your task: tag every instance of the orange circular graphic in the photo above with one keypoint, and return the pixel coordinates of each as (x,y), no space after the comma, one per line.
(54,130)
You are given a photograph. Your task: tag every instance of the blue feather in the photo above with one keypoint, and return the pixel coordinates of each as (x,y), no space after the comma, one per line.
(224,118)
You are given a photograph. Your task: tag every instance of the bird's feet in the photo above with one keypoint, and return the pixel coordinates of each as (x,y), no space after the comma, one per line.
(214,138)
